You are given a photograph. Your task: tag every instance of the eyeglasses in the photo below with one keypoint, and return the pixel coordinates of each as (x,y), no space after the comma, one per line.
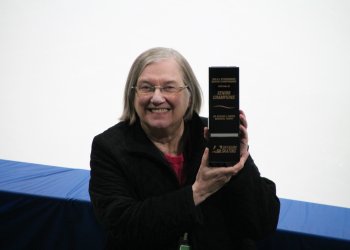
(150,89)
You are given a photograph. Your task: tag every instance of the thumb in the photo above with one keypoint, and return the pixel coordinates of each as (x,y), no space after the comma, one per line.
(205,157)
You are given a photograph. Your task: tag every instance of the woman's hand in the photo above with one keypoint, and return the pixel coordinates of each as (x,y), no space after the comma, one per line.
(211,179)
(244,147)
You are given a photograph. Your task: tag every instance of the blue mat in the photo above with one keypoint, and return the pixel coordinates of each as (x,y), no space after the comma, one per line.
(47,207)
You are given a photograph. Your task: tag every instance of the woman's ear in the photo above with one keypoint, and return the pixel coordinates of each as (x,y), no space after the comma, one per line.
(189,98)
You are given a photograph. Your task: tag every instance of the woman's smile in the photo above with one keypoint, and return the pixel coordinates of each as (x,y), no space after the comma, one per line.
(159,110)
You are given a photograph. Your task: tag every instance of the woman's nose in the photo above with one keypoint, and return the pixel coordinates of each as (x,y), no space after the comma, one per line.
(157,97)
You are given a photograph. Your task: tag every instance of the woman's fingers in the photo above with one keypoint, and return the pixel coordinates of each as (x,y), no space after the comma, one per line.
(243,119)
(206,133)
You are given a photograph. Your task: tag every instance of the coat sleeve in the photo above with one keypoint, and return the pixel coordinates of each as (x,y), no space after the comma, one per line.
(133,223)
(253,204)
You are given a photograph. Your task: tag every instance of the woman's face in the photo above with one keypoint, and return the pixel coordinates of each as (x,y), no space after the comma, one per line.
(159,110)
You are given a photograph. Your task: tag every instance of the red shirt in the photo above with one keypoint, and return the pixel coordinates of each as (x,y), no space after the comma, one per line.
(176,162)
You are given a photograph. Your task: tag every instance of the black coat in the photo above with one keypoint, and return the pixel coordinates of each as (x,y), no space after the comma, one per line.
(136,195)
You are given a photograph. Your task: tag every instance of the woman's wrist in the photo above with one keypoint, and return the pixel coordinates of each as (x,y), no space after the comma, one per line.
(198,195)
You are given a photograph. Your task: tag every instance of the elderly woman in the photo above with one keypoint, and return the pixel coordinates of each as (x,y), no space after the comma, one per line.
(151,186)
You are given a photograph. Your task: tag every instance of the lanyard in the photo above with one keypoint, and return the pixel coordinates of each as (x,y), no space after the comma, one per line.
(184,243)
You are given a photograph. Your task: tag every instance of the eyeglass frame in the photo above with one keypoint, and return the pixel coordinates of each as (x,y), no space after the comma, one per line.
(154,87)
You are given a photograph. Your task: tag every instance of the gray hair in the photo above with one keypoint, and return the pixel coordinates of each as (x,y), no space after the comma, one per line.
(151,56)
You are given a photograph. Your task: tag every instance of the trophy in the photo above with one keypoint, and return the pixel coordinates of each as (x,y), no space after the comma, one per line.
(224,139)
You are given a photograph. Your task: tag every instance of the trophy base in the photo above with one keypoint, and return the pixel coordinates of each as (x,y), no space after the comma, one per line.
(224,151)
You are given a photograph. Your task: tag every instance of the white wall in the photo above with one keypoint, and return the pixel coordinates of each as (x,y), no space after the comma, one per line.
(63,65)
